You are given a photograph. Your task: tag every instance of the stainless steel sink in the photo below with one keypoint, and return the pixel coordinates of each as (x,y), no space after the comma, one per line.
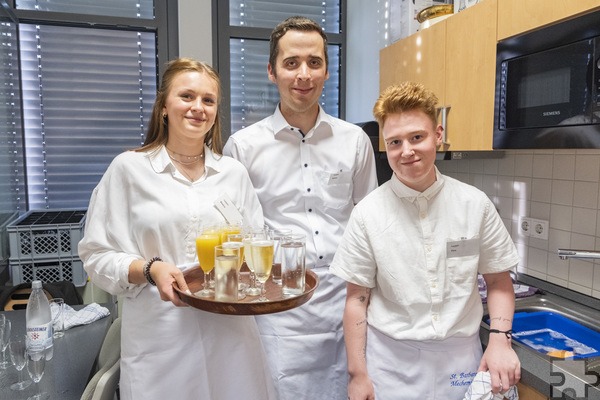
(547,374)
(576,312)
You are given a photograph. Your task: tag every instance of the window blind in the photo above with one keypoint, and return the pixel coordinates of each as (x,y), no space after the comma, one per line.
(12,174)
(87,96)
(252,95)
(267,14)
(113,8)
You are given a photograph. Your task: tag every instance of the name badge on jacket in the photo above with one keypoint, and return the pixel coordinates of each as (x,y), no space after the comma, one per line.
(462,247)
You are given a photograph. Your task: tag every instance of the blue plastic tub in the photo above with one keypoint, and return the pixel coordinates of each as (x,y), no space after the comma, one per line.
(555,335)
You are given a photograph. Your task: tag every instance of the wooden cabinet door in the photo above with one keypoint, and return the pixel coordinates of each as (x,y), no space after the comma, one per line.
(518,16)
(528,393)
(470,77)
(418,58)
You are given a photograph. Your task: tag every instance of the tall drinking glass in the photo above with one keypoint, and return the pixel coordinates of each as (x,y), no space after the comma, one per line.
(36,362)
(293,264)
(277,235)
(5,328)
(227,261)
(262,260)
(57,307)
(205,247)
(236,240)
(18,350)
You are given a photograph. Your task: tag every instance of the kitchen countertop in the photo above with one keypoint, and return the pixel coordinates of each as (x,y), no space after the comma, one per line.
(555,377)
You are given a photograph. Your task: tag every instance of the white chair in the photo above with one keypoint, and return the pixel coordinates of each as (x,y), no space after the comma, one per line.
(103,385)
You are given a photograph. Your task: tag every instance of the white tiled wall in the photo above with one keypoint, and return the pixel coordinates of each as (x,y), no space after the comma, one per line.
(560,186)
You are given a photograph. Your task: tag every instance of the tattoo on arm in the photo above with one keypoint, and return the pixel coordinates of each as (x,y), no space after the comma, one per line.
(363,297)
(500,319)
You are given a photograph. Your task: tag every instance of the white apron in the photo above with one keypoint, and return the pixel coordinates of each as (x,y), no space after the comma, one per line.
(429,370)
(169,352)
(305,346)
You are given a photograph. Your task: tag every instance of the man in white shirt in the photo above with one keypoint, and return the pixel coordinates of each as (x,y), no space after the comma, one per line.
(309,169)
(410,254)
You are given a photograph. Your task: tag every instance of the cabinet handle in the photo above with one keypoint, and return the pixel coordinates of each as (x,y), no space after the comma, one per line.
(444,114)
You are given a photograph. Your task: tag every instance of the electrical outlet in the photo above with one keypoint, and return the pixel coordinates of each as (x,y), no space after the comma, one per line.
(525,226)
(539,229)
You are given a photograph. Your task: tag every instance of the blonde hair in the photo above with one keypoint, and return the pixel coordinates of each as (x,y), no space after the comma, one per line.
(405,97)
(158,130)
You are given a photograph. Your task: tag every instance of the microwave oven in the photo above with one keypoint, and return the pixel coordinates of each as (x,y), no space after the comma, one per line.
(548,87)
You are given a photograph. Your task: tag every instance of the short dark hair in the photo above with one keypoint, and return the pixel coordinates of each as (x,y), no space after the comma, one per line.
(296,23)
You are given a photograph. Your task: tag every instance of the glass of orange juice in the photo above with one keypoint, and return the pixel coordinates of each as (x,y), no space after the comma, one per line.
(229,229)
(205,248)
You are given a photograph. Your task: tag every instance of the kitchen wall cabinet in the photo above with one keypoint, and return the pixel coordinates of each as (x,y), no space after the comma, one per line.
(419,58)
(456,59)
(518,16)
(528,393)
(471,77)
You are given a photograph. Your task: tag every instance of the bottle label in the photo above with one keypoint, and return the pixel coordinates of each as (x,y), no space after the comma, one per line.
(39,337)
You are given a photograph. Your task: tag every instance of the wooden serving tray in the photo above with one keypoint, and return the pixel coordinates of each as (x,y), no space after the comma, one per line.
(194,277)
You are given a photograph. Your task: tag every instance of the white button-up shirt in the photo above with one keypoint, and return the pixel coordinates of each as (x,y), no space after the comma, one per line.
(307,183)
(144,207)
(420,253)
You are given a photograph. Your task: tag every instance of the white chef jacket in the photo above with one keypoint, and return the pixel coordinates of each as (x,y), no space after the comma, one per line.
(420,254)
(308,183)
(143,207)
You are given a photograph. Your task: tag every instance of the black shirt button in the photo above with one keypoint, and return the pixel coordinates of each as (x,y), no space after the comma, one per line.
(310,210)
(320,257)
(308,190)
(305,165)
(316,232)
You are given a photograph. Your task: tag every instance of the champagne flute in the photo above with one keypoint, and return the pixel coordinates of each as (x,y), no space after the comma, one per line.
(262,260)
(248,237)
(17,349)
(205,247)
(5,327)
(36,362)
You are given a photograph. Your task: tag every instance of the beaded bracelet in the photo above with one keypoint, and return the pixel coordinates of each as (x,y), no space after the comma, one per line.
(508,333)
(147,270)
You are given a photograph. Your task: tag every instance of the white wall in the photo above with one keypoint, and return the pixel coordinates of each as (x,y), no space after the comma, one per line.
(195,30)
(559,186)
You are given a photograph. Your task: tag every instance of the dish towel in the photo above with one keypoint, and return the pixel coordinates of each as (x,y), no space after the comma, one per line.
(481,389)
(90,313)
